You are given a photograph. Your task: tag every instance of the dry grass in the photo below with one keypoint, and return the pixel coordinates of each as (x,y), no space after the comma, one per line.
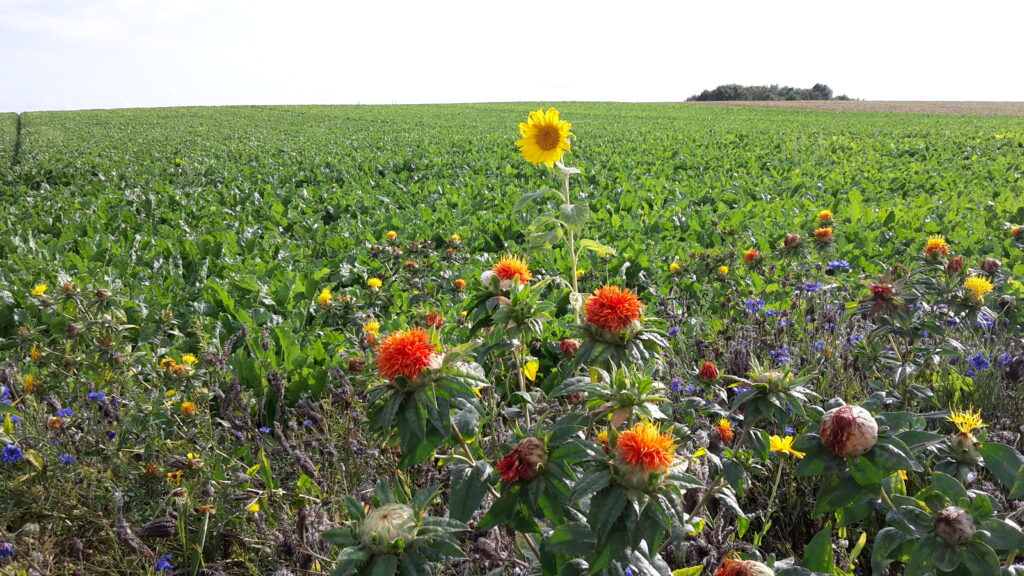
(906,107)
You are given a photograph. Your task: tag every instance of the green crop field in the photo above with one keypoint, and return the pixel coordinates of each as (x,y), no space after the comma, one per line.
(214,271)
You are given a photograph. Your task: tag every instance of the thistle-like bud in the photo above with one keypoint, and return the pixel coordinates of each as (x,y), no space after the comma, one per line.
(791,241)
(708,372)
(955,266)
(356,364)
(569,347)
(525,462)
(954,526)
(487,278)
(848,431)
(388,529)
(963,448)
(991,265)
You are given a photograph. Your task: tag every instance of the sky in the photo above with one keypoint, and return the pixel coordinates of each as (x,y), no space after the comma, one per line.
(81,54)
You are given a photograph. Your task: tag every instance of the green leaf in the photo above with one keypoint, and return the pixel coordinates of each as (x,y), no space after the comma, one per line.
(818,555)
(886,541)
(595,246)
(1003,535)
(864,472)
(920,562)
(349,561)
(605,508)
(382,565)
(572,539)
(575,215)
(468,488)
(593,481)
(835,493)
(1017,492)
(1002,461)
(980,559)
(691,571)
(890,455)
(946,558)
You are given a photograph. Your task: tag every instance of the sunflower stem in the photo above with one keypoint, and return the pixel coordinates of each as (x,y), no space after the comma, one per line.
(573,260)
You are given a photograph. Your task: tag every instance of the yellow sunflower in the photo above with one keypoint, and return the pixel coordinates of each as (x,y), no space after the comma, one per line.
(545,138)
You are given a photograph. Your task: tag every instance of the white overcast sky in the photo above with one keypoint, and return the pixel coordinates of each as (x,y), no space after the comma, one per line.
(72,54)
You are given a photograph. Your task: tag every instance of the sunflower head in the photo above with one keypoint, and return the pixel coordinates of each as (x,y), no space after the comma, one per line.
(641,451)
(545,138)
(405,353)
(612,308)
(508,268)
(978,287)
(936,246)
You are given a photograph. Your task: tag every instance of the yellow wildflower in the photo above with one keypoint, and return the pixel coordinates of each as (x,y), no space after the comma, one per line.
(374,283)
(372,327)
(784,445)
(253,508)
(545,138)
(722,271)
(188,408)
(325,297)
(978,287)
(966,421)
(188,358)
(392,235)
(674,267)
(40,289)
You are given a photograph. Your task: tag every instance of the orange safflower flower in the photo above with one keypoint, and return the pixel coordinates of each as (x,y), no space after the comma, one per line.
(511,266)
(188,408)
(725,430)
(612,308)
(823,234)
(751,255)
(646,448)
(936,246)
(405,353)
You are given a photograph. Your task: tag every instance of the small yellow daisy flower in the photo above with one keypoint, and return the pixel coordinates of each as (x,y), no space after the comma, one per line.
(722,271)
(784,445)
(674,267)
(372,327)
(253,508)
(188,358)
(392,235)
(39,289)
(188,408)
(374,283)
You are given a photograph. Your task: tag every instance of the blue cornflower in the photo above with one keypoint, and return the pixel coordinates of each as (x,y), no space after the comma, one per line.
(754,305)
(950,322)
(1003,359)
(64,413)
(831,326)
(674,331)
(852,342)
(115,401)
(954,360)
(789,431)
(111,434)
(68,459)
(925,335)
(264,429)
(15,419)
(819,346)
(783,322)
(811,287)
(984,321)
(693,390)
(772,313)
(628,571)
(741,389)
(676,384)
(6,549)
(163,564)
(979,362)
(307,422)
(11,454)
(969,373)
(838,266)
(96,396)
(780,356)
(5,392)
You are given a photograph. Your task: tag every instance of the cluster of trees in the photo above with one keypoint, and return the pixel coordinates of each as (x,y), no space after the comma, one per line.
(773,92)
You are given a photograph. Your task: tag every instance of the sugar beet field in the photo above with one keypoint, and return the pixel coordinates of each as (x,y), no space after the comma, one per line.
(390,339)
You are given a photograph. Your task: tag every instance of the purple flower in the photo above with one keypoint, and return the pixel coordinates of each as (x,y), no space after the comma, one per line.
(64,413)
(838,266)
(68,459)
(831,327)
(852,342)
(163,564)
(754,305)
(674,331)
(984,321)
(771,313)
(810,287)
(1003,359)
(925,335)
(628,571)
(950,322)
(780,356)
(307,422)
(676,384)
(789,431)
(6,549)
(96,396)
(954,360)
(979,362)
(969,373)
(741,389)
(264,430)
(5,393)
(819,346)
(11,454)
(111,434)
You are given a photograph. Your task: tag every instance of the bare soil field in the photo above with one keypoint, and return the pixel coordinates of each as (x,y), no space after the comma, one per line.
(908,107)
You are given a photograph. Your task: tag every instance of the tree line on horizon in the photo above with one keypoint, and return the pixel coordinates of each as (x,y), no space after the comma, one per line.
(774,92)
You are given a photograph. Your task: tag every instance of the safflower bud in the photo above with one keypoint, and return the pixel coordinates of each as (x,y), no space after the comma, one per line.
(848,431)
(955,266)
(731,567)
(954,526)
(525,462)
(991,265)
(791,241)
(708,372)
(388,529)
(569,347)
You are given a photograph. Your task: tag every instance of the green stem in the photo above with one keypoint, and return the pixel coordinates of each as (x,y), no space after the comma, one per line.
(522,382)
(573,260)
(886,499)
